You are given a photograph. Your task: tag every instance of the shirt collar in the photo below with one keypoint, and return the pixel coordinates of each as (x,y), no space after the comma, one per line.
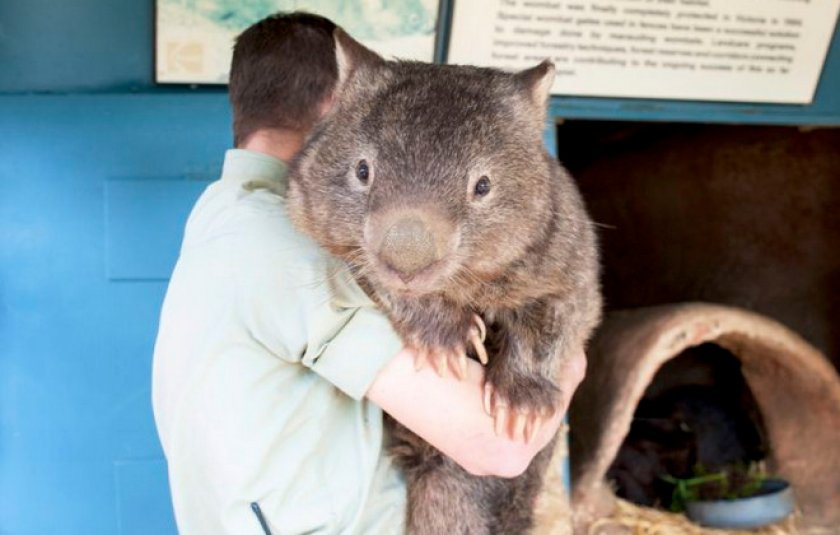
(246,165)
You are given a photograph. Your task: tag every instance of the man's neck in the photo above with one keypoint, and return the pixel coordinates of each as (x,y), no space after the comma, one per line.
(281,144)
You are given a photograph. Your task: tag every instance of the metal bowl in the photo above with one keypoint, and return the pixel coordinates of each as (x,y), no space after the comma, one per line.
(772,503)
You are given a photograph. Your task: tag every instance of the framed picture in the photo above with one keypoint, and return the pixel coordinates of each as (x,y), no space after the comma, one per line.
(194,38)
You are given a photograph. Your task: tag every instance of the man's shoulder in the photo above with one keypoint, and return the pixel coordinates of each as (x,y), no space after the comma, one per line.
(232,212)
(247,256)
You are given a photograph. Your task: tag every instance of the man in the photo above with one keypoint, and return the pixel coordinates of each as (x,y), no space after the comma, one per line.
(272,367)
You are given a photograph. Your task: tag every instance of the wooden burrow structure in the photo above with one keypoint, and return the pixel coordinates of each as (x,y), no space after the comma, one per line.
(795,387)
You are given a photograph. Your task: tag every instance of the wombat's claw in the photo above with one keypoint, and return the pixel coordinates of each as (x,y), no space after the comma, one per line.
(482,329)
(479,349)
(420,359)
(500,419)
(478,333)
(531,423)
(457,361)
(441,361)
(518,424)
(462,365)
(435,359)
(488,398)
(522,424)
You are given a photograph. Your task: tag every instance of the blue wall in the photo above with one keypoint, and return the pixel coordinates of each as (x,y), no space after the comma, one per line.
(83,45)
(94,193)
(98,169)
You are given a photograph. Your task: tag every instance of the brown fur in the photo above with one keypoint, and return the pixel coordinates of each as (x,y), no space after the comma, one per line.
(523,256)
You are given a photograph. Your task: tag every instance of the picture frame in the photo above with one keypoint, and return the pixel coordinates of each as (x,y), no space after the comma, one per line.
(194,38)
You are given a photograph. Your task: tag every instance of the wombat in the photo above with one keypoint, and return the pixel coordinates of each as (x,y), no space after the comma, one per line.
(698,414)
(684,430)
(432,183)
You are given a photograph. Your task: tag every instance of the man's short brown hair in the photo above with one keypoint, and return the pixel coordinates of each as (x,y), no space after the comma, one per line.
(283,68)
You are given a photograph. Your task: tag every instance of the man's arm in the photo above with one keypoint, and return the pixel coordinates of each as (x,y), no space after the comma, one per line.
(449,414)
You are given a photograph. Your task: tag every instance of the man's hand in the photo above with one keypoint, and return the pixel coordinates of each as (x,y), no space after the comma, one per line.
(449,413)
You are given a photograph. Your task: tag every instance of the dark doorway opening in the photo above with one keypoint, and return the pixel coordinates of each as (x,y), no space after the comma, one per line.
(740,215)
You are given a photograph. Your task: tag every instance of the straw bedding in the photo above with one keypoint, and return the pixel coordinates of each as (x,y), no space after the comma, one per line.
(638,520)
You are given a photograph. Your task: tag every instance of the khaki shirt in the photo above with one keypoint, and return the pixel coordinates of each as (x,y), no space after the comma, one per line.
(265,350)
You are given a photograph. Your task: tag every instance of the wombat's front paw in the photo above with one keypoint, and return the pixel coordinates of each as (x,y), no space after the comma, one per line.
(520,404)
(453,357)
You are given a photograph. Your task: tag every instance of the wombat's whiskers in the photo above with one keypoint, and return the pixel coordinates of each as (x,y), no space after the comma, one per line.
(565,217)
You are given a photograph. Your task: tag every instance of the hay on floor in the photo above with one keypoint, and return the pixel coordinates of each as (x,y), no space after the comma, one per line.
(552,513)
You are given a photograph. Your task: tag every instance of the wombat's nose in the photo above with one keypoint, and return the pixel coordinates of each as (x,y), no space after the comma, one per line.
(408,246)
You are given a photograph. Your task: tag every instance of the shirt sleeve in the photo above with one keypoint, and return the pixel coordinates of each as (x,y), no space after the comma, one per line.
(293,310)
(356,353)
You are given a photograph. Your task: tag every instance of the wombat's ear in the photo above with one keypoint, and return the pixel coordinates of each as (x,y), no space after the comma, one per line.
(351,56)
(537,81)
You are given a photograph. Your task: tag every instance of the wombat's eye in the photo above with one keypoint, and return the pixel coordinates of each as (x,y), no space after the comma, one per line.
(482,187)
(362,171)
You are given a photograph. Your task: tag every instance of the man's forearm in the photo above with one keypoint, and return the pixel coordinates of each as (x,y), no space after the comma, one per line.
(449,414)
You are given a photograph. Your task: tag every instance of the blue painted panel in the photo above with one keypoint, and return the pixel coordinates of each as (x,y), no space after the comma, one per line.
(138,511)
(59,496)
(144,221)
(80,45)
(76,347)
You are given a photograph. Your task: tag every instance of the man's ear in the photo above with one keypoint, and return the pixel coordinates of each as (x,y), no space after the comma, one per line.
(537,82)
(351,57)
